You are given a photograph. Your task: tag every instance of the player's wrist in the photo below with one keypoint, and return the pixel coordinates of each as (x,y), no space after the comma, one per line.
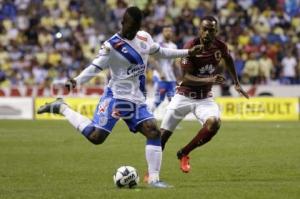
(191,52)
(71,84)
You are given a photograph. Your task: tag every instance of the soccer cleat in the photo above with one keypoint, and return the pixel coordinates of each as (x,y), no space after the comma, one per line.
(160,185)
(184,162)
(146,178)
(52,107)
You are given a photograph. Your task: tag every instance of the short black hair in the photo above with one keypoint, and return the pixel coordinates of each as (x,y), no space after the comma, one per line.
(135,13)
(210,18)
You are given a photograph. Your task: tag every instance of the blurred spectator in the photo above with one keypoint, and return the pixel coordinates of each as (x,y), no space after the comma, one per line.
(160,10)
(2,76)
(239,64)
(289,68)
(251,70)
(174,11)
(265,68)
(41,38)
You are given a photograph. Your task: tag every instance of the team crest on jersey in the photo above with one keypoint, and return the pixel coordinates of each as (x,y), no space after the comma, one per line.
(218,55)
(124,50)
(143,45)
(103,121)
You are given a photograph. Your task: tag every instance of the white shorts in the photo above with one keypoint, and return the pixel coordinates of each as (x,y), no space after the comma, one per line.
(180,106)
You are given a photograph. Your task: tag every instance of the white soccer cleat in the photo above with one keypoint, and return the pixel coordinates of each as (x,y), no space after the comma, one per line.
(160,185)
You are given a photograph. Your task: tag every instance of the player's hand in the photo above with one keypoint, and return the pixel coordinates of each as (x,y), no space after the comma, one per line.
(196,50)
(70,84)
(241,91)
(219,79)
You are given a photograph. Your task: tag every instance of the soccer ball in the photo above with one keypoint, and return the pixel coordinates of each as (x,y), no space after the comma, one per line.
(126,176)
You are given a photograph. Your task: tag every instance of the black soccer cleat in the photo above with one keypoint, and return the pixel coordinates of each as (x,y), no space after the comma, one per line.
(52,107)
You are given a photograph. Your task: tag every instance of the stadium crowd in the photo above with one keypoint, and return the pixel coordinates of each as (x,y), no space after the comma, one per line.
(42,41)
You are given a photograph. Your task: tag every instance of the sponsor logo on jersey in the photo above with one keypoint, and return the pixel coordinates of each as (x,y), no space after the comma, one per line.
(135,70)
(209,68)
(103,106)
(141,38)
(184,60)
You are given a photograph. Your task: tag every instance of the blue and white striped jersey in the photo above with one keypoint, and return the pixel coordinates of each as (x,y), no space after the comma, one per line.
(127,62)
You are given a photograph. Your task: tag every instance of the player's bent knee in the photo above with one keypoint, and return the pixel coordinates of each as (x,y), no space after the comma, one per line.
(213,124)
(149,129)
(98,136)
(153,133)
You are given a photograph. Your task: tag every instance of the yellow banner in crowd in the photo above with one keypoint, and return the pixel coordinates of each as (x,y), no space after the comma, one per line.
(259,109)
(86,106)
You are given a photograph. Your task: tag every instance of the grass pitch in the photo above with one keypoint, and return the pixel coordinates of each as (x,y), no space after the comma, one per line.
(49,159)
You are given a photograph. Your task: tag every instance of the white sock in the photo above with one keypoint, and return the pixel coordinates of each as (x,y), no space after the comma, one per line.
(154,158)
(77,120)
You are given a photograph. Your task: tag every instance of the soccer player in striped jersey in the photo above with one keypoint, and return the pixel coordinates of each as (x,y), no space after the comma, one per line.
(125,54)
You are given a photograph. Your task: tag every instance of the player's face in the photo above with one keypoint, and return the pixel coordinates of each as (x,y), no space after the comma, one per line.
(168,33)
(208,31)
(130,27)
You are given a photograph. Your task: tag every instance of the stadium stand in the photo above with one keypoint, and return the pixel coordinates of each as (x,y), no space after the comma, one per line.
(45,41)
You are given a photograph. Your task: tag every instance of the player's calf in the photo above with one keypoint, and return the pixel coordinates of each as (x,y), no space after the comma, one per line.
(209,130)
(153,148)
(95,135)
(206,133)
(149,129)
(165,135)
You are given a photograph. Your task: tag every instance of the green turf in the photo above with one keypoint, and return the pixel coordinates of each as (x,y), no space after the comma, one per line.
(48,159)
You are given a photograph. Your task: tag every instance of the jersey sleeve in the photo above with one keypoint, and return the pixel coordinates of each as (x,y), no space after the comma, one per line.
(102,59)
(154,47)
(185,62)
(224,50)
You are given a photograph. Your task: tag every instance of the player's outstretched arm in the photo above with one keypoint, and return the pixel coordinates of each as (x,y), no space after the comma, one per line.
(97,65)
(87,74)
(170,53)
(230,67)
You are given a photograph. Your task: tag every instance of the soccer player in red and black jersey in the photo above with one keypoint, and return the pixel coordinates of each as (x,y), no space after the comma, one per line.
(194,93)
